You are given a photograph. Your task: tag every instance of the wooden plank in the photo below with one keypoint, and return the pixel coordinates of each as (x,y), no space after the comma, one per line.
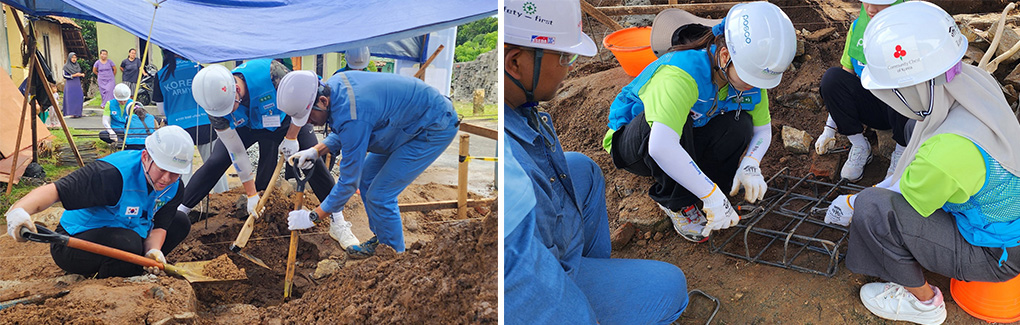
(439,205)
(479,130)
(717,10)
(599,15)
(462,177)
(421,71)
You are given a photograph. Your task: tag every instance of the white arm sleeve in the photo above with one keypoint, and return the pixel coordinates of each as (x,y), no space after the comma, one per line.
(106,123)
(664,147)
(159,107)
(760,142)
(238,154)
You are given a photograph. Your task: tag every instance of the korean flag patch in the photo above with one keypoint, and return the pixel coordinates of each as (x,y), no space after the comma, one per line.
(132,211)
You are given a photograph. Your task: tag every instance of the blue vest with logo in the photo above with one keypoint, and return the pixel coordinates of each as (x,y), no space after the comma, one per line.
(857,64)
(263,113)
(136,206)
(118,121)
(991,218)
(178,102)
(696,63)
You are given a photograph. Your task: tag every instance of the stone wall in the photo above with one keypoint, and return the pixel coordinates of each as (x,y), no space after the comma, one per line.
(478,74)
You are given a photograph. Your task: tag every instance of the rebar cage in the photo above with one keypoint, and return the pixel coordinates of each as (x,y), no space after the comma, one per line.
(787,228)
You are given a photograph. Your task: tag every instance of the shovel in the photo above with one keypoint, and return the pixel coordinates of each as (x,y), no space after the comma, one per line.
(249,224)
(191,271)
(299,202)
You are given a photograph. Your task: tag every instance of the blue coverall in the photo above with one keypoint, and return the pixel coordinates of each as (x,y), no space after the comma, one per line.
(571,222)
(390,128)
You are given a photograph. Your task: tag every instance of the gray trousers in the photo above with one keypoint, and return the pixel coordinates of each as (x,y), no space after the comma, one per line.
(890,240)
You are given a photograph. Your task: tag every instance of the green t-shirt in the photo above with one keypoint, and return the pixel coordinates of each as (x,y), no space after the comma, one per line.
(947,168)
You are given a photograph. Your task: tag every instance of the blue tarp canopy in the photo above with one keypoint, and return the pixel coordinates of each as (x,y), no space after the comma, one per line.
(223,30)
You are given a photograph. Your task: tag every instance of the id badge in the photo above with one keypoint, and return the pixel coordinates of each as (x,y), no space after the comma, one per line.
(270,121)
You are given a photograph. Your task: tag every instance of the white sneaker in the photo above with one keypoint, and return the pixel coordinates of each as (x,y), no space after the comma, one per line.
(341,232)
(893,160)
(853,168)
(689,222)
(893,301)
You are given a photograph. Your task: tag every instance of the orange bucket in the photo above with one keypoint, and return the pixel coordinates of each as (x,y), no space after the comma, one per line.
(632,47)
(993,302)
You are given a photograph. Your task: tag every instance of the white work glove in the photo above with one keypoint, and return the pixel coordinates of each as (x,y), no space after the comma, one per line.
(17,218)
(253,201)
(157,255)
(288,147)
(719,213)
(300,219)
(304,158)
(841,210)
(826,141)
(113,135)
(749,175)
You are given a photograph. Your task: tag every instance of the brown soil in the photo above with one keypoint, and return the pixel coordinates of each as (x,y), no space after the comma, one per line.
(750,293)
(460,264)
(222,268)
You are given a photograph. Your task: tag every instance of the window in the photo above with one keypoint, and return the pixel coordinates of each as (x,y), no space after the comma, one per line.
(5,56)
(46,50)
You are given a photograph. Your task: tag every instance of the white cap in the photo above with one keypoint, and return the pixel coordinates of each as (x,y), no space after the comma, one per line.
(296,94)
(910,43)
(214,90)
(666,24)
(358,58)
(761,42)
(121,92)
(171,148)
(546,24)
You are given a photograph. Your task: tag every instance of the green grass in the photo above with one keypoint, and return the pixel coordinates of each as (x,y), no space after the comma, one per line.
(95,101)
(466,109)
(50,163)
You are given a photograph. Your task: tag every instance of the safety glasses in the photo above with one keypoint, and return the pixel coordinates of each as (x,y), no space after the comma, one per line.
(566,59)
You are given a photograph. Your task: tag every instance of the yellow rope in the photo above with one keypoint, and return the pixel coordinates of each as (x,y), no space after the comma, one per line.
(138,83)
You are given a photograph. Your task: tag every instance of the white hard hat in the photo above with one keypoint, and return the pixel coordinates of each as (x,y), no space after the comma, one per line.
(171,148)
(357,59)
(214,90)
(546,24)
(296,94)
(761,42)
(121,92)
(879,2)
(910,43)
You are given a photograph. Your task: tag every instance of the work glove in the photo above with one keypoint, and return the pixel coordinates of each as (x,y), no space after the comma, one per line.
(303,159)
(841,210)
(253,202)
(749,175)
(288,147)
(826,141)
(17,218)
(157,255)
(719,213)
(300,219)
(113,135)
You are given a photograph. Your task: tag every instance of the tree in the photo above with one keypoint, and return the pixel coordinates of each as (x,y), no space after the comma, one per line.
(88,32)
(475,38)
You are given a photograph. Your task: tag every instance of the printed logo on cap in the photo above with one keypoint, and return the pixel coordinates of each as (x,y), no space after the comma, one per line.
(899,53)
(538,39)
(529,8)
(747,29)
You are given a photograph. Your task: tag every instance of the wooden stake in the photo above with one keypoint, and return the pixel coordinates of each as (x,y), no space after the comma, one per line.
(421,70)
(21,122)
(699,9)
(599,15)
(462,176)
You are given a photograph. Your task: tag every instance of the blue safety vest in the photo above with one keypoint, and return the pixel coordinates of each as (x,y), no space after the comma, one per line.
(398,107)
(136,206)
(991,217)
(263,113)
(178,102)
(696,63)
(118,122)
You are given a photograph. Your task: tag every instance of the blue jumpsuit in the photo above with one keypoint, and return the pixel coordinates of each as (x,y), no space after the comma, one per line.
(571,222)
(389,128)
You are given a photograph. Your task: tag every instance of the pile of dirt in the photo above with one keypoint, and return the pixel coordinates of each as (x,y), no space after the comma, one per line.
(137,300)
(449,280)
(222,268)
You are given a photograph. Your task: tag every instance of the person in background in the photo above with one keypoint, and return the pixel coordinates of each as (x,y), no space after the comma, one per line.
(73,94)
(952,204)
(851,107)
(106,75)
(356,59)
(115,119)
(131,66)
(173,98)
(126,200)
(571,278)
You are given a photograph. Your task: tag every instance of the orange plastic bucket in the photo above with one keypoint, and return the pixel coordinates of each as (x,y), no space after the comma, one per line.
(994,302)
(632,47)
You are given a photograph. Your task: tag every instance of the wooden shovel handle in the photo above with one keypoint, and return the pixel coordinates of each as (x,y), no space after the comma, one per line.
(249,224)
(112,252)
(288,280)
